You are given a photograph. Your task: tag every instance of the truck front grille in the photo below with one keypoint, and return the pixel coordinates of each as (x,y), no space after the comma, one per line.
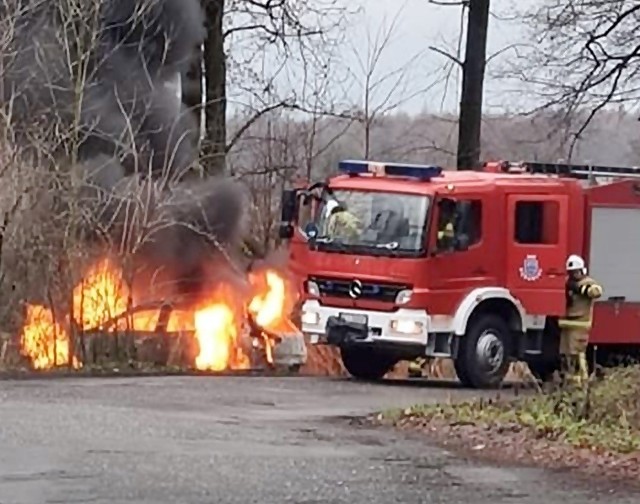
(339,287)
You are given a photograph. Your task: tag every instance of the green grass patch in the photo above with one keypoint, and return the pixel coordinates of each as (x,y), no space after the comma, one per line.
(605,415)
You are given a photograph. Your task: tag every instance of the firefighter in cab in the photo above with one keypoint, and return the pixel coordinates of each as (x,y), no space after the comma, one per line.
(446,226)
(581,292)
(341,223)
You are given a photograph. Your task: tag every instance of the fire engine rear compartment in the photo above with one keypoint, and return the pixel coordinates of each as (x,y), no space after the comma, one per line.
(612,247)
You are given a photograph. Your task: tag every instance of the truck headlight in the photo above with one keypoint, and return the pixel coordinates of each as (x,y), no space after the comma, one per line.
(404,326)
(313,289)
(404,296)
(310,318)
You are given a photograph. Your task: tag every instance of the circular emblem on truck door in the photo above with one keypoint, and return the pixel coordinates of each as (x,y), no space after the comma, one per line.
(530,269)
(355,289)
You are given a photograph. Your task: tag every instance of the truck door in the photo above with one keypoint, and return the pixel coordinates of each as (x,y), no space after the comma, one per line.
(537,248)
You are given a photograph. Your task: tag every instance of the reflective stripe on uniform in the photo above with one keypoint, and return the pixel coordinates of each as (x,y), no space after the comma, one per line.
(582,296)
(589,289)
(574,324)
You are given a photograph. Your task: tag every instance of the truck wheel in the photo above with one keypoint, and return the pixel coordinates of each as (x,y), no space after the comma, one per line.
(483,357)
(461,372)
(365,363)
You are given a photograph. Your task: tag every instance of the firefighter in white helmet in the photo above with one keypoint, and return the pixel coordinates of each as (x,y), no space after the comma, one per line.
(341,223)
(581,292)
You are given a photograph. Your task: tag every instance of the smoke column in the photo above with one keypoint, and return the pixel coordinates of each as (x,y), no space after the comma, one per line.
(97,71)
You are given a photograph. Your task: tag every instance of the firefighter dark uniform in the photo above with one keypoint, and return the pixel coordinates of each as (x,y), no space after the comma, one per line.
(581,292)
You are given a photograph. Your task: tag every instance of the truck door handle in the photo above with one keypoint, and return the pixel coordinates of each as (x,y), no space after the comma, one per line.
(479,271)
(554,272)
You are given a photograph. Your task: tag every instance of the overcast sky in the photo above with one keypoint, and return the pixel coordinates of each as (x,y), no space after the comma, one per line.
(421,24)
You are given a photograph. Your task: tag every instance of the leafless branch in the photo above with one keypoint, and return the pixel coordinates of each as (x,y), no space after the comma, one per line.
(583,58)
(449,3)
(444,53)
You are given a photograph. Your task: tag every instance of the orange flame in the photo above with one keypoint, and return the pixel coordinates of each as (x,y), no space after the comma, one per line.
(103,297)
(44,341)
(100,296)
(267,308)
(216,334)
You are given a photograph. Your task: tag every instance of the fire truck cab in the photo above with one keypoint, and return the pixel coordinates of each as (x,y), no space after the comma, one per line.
(399,261)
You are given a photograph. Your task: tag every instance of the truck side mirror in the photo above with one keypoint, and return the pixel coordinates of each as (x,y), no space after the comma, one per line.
(289,205)
(311,231)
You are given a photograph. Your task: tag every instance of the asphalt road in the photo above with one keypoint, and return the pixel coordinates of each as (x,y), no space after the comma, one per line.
(240,440)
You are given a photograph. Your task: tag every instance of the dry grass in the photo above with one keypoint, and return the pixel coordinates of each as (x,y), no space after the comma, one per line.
(605,415)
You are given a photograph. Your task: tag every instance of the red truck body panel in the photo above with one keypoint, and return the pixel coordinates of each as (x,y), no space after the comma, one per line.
(615,322)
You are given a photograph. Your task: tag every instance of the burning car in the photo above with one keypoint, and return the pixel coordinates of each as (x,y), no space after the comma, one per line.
(228,329)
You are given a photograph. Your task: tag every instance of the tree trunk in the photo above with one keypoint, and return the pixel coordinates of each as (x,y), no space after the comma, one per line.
(192,89)
(470,125)
(214,144)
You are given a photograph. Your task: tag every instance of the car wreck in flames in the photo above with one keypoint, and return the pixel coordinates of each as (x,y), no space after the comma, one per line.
(229,328)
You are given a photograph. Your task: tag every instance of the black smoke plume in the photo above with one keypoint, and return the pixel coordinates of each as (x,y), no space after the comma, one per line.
(92,78)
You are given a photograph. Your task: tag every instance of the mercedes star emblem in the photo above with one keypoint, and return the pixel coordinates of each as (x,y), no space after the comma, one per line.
(355,289)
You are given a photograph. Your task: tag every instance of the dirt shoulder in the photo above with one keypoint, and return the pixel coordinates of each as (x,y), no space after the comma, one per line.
(595,432)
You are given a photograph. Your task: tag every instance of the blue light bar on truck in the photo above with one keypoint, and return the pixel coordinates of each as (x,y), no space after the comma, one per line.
(421,172)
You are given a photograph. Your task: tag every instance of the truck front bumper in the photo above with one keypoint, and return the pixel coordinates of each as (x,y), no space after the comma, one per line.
(343,326)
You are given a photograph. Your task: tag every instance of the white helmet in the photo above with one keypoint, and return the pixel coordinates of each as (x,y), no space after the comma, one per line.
(330,205)
(575,263)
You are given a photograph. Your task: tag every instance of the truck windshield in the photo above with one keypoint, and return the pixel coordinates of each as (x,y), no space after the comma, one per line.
(379,222)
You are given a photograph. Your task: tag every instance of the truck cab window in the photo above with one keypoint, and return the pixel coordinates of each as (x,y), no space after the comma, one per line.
(537,222)
(373,221)
(459,224)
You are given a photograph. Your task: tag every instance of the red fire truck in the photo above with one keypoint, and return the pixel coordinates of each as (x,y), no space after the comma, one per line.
(383,284)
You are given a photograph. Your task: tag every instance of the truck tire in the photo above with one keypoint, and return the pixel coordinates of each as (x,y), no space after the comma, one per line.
(461,372)
(365,363)
(483,356)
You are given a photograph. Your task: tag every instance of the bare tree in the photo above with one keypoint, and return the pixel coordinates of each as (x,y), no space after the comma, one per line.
(244,36)
(215,75)
(584,56)
(473,76)
(384,93)
(473,70)
(285,142)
